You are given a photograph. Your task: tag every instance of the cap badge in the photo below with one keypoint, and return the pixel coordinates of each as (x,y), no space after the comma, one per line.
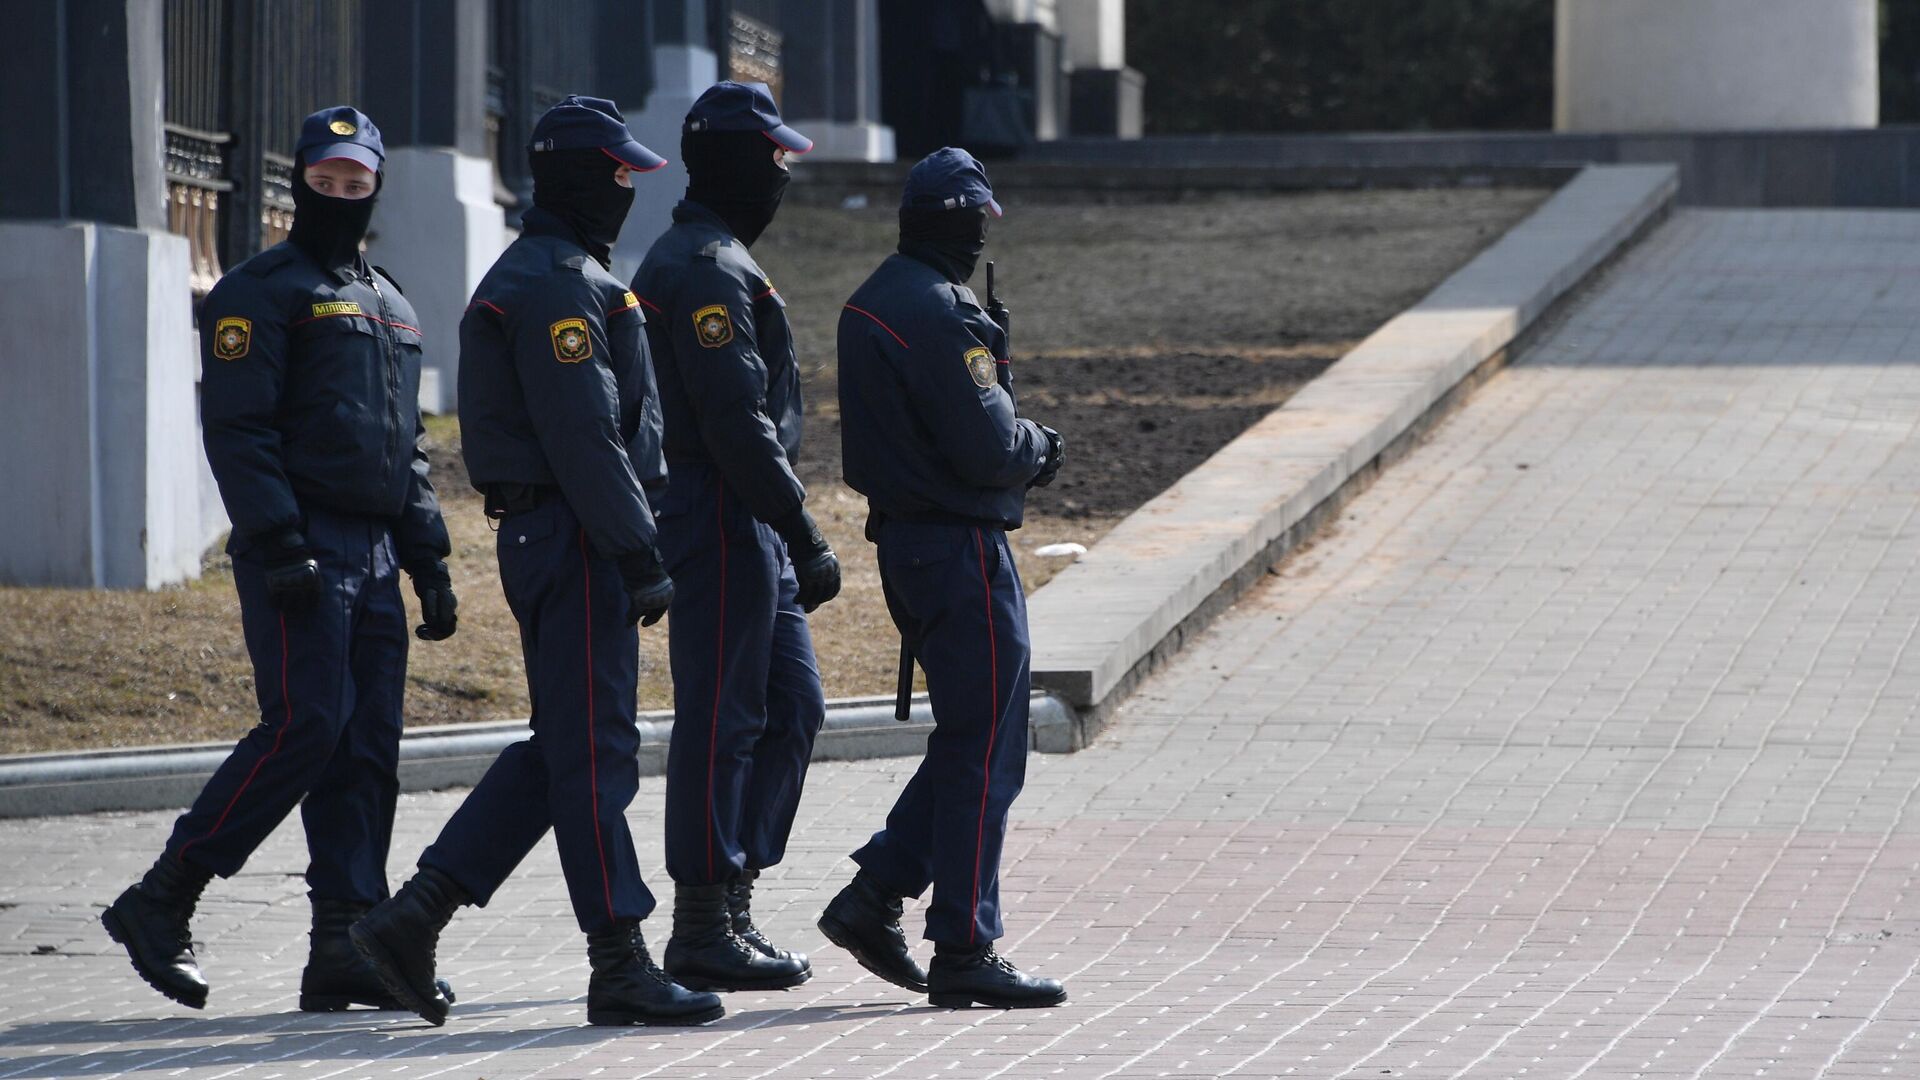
(342,127)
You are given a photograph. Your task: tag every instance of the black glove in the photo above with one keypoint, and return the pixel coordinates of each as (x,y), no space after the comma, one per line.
(649,589)
(439,610)
(1056,449)
(814,563)
(293,575)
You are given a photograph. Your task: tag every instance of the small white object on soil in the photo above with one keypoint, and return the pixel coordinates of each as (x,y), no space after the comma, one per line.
(1051,551)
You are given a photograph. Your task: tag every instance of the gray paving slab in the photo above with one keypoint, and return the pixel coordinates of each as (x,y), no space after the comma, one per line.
(1582,745)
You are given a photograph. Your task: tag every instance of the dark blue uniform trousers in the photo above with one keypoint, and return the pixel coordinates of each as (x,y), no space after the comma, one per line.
(329,680)
(956,596)
(747,701)
(577,772)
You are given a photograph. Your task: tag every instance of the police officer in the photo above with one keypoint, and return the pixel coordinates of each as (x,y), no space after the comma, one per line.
(931,438)
(748,559)
(561,431)
(311,378)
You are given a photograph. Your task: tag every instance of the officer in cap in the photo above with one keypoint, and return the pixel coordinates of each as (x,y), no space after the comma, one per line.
(310,410)
(930,437)
(747,557)
(561,431)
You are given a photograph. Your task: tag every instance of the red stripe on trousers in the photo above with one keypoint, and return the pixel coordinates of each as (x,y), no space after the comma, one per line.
(277,738)
(593,752)
(719,667)
(993,729)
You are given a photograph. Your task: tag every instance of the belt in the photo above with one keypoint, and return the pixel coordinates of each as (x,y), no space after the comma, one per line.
(506,499)
(876,518)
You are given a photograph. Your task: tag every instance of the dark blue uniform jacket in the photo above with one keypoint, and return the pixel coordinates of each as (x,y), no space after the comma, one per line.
(729,386)
(556,388)
(310,395)
(927,424)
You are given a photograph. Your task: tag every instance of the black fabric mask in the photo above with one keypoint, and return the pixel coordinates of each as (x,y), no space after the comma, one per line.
(733,174)
(577,186)
(327,228)
(950,241)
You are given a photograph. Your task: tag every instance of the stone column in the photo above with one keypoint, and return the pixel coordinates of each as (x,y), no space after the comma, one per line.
(684,65)
(1104,94)
(437,227)
(1703,65)
(97,354)
(833,78)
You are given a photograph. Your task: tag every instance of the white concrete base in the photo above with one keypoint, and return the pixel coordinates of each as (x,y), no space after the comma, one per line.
(681,73)
(438,229)
(842,141)
(1715,65)
(99,420)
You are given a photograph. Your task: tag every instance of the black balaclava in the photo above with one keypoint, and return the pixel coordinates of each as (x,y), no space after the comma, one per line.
(733,174)
(328,228)
(577,186)
(950,241)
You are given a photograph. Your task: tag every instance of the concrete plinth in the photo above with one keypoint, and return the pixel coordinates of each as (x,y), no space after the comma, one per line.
(99,421)
(1696,65)
(437,229)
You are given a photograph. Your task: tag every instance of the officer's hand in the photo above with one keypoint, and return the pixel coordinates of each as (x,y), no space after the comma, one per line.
(1056,450)
(439,609)
(814,563)
(649,590)
(293,575)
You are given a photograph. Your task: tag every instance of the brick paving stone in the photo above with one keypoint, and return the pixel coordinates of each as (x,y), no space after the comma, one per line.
(1581,746)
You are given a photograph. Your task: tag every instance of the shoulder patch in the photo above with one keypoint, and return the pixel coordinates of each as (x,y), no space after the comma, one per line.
(572,341)
(980,366)
(336,307)
(232,337)
(713,325)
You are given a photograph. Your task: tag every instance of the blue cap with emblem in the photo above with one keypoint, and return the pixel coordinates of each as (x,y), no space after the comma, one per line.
(337,133)
(736,106)
(591,123)
(949,178)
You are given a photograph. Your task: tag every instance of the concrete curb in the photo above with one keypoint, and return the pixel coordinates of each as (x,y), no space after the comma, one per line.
(455,755)
(1104,623)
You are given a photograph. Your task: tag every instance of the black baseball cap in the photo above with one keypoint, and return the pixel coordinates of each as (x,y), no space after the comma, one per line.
(948,179)
(340,132)
(736,106)
(591,123)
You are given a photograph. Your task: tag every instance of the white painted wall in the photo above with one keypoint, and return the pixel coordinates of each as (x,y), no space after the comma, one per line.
(438,229)
(1693,65)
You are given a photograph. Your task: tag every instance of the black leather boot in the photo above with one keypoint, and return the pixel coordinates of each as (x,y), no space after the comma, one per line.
(864,919)
(337,976)
(150,918)
(627,988)
(705,954)
(962,977)
(740,905)
(398,938)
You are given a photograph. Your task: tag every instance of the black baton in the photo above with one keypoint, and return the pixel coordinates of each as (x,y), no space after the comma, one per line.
(903,694)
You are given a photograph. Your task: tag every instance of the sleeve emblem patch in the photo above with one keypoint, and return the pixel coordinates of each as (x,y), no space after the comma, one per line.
(232,337)
(980,366)
(572,342)
(713,325)
(336,307)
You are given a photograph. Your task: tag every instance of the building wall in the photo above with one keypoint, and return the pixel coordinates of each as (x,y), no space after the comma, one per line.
(1695,65)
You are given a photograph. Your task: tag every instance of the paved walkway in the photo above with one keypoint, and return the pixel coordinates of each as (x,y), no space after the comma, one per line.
(1583,746)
